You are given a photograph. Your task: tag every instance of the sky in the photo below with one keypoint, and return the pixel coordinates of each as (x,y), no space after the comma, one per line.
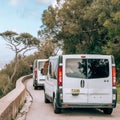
(20,16)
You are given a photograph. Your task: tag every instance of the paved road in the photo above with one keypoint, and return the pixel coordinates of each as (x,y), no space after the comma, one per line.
(41,111)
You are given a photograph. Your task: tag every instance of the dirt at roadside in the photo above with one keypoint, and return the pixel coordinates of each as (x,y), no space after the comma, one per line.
(23,112)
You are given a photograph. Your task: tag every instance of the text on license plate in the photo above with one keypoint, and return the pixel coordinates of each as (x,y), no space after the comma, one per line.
(75,91)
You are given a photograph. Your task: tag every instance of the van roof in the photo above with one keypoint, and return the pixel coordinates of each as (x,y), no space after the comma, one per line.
(41,60)
(85,55)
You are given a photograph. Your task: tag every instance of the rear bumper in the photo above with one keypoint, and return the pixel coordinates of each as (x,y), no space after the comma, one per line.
(86,106)
(60,103)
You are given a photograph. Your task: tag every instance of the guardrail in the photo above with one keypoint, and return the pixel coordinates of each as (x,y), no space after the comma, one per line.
(12,102)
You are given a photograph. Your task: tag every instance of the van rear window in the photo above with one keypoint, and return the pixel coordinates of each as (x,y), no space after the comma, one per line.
(41,65)
(87,68)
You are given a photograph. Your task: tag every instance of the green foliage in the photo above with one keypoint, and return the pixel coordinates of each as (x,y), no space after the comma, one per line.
(75,23)
(118,76)
(118,94)
(81,19)
(5,84)
(47,49)
(23,69)
(20,44)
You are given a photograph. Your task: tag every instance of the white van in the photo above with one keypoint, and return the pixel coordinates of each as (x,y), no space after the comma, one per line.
(38,76)
(81,81)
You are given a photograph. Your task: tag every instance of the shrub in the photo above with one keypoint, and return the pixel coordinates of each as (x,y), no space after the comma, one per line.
(5,84)
(118,75)
(23,69)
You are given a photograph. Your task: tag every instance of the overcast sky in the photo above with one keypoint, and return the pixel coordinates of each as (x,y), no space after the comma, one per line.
(20,16)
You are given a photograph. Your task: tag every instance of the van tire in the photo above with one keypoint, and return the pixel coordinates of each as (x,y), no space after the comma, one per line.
(35,87)
(45,99)
(56,109)
(108,111)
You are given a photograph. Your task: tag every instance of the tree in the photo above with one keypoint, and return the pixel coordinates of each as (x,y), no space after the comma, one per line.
(67,24)
(19,43)
(47,48)
(83,26)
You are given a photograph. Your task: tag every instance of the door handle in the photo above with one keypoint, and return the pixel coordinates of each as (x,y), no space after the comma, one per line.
(82,83)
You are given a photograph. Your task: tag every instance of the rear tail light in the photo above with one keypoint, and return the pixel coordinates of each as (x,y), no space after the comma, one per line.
(60,76)
(113,76)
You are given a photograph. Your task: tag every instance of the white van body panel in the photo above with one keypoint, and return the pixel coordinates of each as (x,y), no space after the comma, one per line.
(51,83)
(38,66)
(95,90)
(86,82)
(50,87)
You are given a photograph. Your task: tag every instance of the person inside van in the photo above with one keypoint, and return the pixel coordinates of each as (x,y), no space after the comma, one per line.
(45,68)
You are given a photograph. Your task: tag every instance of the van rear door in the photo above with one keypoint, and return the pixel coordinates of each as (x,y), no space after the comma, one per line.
(41,77)
(100,79)
(75,84)
(87,79)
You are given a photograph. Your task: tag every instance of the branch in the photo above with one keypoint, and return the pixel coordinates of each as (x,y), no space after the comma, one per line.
(11,47)
(88,31)
(22,49)
(27,50)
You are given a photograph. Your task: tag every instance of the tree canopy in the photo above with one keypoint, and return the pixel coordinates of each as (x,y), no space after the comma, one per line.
(19,43)
(84,26)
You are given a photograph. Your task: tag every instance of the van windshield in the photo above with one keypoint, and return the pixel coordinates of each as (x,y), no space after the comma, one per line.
(87,68)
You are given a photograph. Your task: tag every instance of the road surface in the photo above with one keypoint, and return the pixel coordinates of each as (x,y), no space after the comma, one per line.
(42,111)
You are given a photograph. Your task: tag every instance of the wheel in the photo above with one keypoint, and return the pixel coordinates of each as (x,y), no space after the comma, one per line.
(108,110)
(35,87)
(45,99)
(56,109)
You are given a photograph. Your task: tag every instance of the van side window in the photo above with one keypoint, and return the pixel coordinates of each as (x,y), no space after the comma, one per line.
(52,70)
(45,68)
(87,68)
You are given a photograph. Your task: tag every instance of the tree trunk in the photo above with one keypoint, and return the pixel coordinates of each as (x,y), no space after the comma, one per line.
(15,68)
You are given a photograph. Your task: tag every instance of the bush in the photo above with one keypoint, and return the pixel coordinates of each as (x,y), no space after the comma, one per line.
(118,94)
(118,76)
(23,69)
(5,84)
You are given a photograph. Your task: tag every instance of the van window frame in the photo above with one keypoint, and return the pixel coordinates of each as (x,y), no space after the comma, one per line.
(51,71)
(89,67)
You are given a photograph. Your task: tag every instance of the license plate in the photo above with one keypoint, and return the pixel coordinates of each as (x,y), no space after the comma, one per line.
(75,91)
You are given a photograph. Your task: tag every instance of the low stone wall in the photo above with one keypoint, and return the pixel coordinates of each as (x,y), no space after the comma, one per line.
(11,103)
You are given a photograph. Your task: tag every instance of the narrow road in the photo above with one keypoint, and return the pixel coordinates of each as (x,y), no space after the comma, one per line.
(42,111)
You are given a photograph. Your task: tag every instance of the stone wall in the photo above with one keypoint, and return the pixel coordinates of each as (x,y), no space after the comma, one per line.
(12,102)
